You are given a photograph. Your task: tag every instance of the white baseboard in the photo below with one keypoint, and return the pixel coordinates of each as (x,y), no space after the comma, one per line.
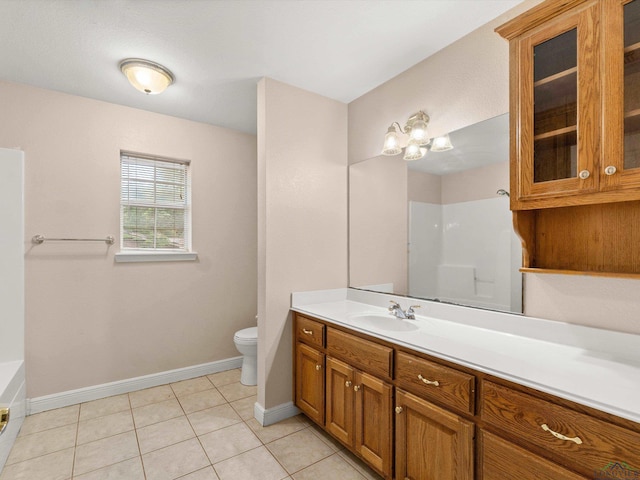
(273,415)
(86,394)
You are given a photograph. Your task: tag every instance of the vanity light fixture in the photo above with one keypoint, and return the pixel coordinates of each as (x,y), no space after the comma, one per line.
(441,144)
(146,76)
(413,138)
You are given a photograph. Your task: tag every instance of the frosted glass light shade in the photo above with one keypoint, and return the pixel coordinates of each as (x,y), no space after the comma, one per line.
(391,142)
(413,151)
(419,132)
(148,77)
(441,144)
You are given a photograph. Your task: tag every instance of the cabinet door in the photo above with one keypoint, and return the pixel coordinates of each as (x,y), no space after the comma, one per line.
(339,400)
(373,415)
(431,443)
(621,162)
(501,459)
(559,107)
(310,382)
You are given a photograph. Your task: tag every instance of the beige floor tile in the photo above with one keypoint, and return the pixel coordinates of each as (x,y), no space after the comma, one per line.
(257,464)
(54,466)
(157,412)
(226,377)
(104,406)
(128,470)
(245,407)
(193,385)
(106,426)
(151,395)
(229,441)
(42,443)
(175,461)
(236,391)
(334,467)
(50,419)
(204,474)
(360,466)
(215,418)
(299,450)
(326,438)
(107,451)
(163,434)
(277,430)
(201,400)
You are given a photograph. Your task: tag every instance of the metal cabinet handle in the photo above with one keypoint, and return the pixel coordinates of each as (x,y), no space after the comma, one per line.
(356,388)
(560,436)
(347,383)
(318,366)
(4,419)
(398,410)
(584,174)
(307,332)
(435,383)
(610,170)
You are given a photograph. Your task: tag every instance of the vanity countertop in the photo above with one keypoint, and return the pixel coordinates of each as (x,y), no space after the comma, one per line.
(594,367)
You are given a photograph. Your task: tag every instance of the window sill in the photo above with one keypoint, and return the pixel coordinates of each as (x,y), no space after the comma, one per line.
(137,256)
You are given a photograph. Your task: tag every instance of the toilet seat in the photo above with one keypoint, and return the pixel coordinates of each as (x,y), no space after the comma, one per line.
(246,336)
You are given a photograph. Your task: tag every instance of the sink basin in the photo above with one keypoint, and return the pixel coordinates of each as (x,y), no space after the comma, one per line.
(384,322)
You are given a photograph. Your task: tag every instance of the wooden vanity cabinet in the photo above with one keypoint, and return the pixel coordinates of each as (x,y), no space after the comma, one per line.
(431,442)
(310,366)
(359,404)
(575,134)
(412,416)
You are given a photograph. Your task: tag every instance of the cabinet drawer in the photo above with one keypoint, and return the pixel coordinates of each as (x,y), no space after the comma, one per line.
(309,331)
(587,444)
(367,355)
(501,459)
(433,381)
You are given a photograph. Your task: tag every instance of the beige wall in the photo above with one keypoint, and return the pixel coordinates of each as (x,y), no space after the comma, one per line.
(378,223)
(462,84)
(475,184)
(302,219)
(424,187)
(88,319)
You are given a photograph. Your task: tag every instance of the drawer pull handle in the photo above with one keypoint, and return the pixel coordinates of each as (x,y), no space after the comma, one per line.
(435,383)
(307,332)
(356,388)
(560,436)
(4,418)
(318,366)
(347,383)
(398,410)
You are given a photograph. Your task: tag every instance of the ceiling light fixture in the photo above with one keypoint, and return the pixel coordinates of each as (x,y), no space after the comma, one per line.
(146,76)
(413,138)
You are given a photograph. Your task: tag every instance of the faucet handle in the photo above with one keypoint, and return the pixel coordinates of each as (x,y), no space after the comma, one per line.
(412,307)
(394,305)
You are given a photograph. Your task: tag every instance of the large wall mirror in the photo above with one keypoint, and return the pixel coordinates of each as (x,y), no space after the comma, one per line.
(439,227)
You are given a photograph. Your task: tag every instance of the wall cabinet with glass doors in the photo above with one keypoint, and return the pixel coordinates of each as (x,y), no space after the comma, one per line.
(575,134)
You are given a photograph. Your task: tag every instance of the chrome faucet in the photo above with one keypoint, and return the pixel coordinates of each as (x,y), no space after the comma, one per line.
(396,311)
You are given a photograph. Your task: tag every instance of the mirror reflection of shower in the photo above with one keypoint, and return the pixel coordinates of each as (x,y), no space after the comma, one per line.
(502,192)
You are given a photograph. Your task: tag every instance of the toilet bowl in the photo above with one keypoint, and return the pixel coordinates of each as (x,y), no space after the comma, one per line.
(246,341)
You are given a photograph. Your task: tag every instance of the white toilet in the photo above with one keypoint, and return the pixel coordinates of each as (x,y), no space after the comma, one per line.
(246,341)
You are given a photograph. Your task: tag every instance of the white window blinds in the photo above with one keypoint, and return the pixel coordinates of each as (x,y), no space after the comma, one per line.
(155,206)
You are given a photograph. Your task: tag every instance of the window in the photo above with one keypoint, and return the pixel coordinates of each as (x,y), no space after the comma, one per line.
(155,211)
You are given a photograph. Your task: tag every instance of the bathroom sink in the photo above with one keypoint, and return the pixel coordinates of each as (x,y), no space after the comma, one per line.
(384,322)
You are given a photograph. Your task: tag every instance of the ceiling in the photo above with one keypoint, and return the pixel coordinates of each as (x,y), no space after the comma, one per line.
(219,49)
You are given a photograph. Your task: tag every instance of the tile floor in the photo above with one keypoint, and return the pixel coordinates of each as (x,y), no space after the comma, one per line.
(198,429)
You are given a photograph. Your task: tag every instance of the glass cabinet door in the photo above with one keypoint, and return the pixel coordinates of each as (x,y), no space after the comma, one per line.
(632,85)
(561,64)
(555,100)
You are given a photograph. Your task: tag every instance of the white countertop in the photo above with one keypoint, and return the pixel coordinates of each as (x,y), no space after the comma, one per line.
(594,367)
